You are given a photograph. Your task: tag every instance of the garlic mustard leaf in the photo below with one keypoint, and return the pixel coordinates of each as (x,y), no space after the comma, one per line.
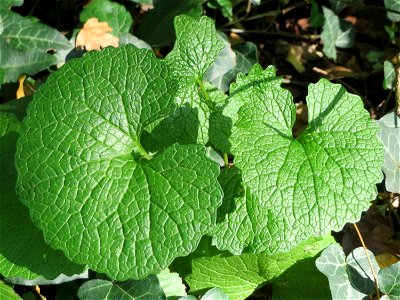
(240,93)
(197,46)
(87,180)
(23,252)
(239,275)
(7,292)
(309,185)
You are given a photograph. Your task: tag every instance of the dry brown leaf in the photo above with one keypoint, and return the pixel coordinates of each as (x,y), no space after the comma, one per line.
(95,35)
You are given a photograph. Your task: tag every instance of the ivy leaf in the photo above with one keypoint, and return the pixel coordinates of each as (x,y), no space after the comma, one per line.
(24,43)
(389,75)
(26,256)
(390,138)
(196,48)
(157,28)
(335,33)
(224,5)
(148,288)
(15,62)
(239,275)
(25,34)
(394,5)
(10,3)
(389,281)
(225,62)
(80,158)
(342,274)
(215,293)
(114,14)
(298,187)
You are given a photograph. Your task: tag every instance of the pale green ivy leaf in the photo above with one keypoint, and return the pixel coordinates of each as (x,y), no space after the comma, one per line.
(15,62)
(336,267)
(11,3)
(393,5)
(144,289)
(304,186)
(389,135)
(389,75)
(80,158)
(389,281)
(25,34)
(115,14)
(335,33)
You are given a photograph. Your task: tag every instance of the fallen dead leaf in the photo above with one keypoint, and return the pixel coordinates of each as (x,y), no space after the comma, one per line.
(95,35)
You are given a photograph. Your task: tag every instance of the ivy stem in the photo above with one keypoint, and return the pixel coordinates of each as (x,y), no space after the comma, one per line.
(226,161)
(203,90)
(369,260)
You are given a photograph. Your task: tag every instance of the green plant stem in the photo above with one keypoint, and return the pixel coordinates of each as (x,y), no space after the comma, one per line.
(226,161)
(140,150)
(203,90)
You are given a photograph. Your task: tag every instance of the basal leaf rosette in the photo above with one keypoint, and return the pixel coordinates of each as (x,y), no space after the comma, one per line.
(89,184)
(294,188)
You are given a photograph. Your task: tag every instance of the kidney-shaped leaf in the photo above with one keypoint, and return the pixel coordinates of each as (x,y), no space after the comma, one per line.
(309,185)
(86,178)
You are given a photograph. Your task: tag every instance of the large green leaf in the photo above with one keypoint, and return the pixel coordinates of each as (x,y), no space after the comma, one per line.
(23,252)
(115,14)
(335,33)
(239,276)
(157,28)
(80,158)
(298,187)
(196,48)
(389,135)
(100,289)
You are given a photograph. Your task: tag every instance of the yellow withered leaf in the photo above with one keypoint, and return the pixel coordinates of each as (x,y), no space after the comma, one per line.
(95,35)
